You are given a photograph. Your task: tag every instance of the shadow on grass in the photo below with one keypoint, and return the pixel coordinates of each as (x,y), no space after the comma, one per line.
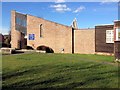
(77,67)
(37,84)
(49,83)
(22,72)
(51,80)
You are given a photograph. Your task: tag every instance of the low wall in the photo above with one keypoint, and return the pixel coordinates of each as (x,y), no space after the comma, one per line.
(7,50)
(106,54)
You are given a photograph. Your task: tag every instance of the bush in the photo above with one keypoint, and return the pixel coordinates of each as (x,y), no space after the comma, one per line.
(41,48)
(5,45)
(29,48)
(45,48)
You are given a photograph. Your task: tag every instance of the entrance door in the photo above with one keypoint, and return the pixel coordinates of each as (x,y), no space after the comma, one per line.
(19,44)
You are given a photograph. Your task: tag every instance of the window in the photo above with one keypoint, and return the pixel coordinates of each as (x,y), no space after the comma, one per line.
(21,25)
(31,36)
(40,30)
(109,36)
(20,21)
(117,34)
(24,23)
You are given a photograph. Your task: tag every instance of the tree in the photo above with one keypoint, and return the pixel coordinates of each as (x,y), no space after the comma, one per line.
(1,40)
(7,39)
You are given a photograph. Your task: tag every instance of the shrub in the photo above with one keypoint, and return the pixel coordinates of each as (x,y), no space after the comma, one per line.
(29,48)
(45,48)
(41,48)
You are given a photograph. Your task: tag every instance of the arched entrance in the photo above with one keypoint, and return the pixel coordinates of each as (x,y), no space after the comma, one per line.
(45,48)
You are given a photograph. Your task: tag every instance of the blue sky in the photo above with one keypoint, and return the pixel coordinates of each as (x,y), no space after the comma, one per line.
(88,14)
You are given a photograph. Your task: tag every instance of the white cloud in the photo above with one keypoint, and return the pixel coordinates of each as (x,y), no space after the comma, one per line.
(4,30)
(59,1)
(60,7)
(81,8)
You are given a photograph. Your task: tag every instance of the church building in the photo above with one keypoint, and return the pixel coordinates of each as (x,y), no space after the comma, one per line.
(28,30)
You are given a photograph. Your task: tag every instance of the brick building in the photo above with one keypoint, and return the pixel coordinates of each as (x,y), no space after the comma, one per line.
(34,31)
(101,42)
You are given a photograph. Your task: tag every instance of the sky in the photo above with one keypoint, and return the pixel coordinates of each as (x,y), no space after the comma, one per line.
(88,14)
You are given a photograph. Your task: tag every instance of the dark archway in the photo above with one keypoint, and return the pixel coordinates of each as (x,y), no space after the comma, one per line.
(45,48)
(29,48)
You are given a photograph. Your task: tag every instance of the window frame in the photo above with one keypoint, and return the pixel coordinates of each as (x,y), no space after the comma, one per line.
(110,36)
(21,22)
(117,34)
(41,31)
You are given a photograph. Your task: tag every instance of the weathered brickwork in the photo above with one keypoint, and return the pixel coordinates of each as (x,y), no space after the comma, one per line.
(60,38)
(17,38)
(54,35)
(15,35)
(84,41)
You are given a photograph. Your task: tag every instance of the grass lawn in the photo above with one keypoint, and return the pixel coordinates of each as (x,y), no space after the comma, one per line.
(37,71)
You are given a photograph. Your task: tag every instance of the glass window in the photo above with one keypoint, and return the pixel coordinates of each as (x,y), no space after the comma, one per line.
(109,36)
(18,21)
(24,23)
(21,25)
(117,34)
(40,30)
(21,22)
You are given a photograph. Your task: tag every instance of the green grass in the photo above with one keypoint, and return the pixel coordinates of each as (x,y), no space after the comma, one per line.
(37,71)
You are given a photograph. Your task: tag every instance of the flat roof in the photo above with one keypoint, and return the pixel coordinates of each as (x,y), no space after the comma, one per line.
(103,24)
(116,20)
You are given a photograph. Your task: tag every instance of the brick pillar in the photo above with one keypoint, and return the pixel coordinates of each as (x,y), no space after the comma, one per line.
(117,40)
(117,50)
(15,35)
